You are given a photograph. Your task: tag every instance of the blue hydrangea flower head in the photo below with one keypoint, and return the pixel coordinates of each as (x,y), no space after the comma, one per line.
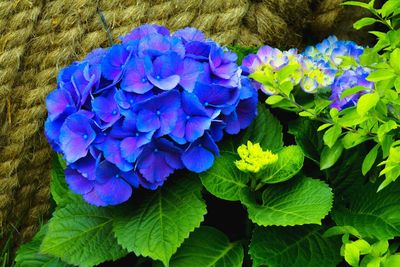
(131,115)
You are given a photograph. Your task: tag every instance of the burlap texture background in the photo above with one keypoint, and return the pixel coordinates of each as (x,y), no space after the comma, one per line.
(38,37)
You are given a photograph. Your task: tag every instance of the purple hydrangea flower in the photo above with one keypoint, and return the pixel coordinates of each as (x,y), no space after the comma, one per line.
(131,115)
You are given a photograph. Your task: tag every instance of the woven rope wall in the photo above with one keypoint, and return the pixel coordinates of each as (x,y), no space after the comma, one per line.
(39,37)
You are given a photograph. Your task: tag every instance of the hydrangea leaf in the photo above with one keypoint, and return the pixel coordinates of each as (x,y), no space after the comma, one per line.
(307,137)
(290,161)
(298,246)
(296,202)
(224,179)
(265,130)
(208,247)
(28,255)
(160,222)
(59,188)
(82,235)
(373,214)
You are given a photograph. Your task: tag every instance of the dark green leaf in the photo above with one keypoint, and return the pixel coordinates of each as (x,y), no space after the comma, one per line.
(160,222)
(208,247)
(307,137)
(81,234)
(301,246)
(265,130)
(373,214)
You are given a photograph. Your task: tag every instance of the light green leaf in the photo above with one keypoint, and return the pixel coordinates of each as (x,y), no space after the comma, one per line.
(81,234)
(60,192)
(397,84)
(356,3)
(274,99)
(385,128)
(296,202)
(298,246)
(329,156)
(340,230)
(307,137)
(265,130)
(395,59)
(380,75)
(351,254)
(379,248)
(350,117)
(208,247)
(352,139)
(352,91)
(332,134)
(324,126)
(367,102)
(290,161)
(363,22)
(224,179)
(389,7)
(373,214)
(363,246)
(161,221)
(369,160)
(392,261)
(28,254)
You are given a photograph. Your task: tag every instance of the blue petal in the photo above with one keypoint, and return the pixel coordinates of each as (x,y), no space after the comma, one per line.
(134,79)
(59,102)
(197,158)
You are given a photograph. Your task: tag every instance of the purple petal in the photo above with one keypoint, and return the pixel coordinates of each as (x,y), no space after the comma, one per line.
(86,166)
(154,167)
(114,191)
(113,63)
(190,34)
(112,153)
(167,122)
(93,198)
(58,102)
(77,183)
(131,146)
(198,50)
(144,30)
(135,79)
(106,108)
(215,95)
(190,74)
(76,134)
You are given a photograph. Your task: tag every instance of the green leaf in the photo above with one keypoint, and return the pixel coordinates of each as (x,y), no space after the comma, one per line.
(397,84)
(369,160)
(352,139)
(296,202)
(307,137)
(395,59)
(379,248)
(380,75)
(389,7)
(356,3)
(28,255)
(385,128)
(363,22)
(294,247)
(373,214)
(340,230)
(392,261)
(274,99)
(329,156)
(352,91)
(290,161)
(367,102)
(208,247)
(265,130)
(224,179)
(350,117)
(60,192)
(161,221)
(332,134)
(82,235)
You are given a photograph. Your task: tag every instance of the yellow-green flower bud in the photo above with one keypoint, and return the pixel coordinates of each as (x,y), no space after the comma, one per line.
(253,158)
